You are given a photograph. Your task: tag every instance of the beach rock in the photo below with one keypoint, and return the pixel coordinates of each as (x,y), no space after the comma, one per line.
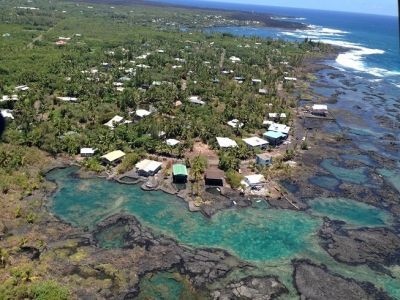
(317,282)
(257,288)
(360,246)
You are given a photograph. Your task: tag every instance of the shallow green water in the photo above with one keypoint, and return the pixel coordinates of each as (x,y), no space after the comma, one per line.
(392,176)
(255,233)
(326,182)
(269,238)
(355,175)
(352,212)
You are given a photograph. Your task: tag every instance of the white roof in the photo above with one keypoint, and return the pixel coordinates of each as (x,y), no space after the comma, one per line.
(254,179)
(272,115)
(113,121)
(255,141)
(256,80)
(172,142)
(262,91)
(118,83)
(196,100)
(87,151)
(235,123)
(22,88)
(142,113)
(279,128)
(320,107)
(283,115)
(267,123)
(290,78)
(112,156)
(234,59)
(148,165)
(6,113)
(224,142)
(69,99)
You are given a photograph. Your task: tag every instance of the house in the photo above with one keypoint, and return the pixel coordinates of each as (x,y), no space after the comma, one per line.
(262,91)
(141,113)
(320,109)
(274,138)
(68,99)
(113,157)
(196,100)
(235,123)
(239,79)
(148,167)
(214,176)
(114,121)
(267,123)
(7,113)
(234,59)
(253,180)
(179,173)
(8,98)
(256,142)
(256,81)
(22,88)
(61,43)
(263,159)
(87,152)
(279,128)
(172,142)
(290,78)
(224,142)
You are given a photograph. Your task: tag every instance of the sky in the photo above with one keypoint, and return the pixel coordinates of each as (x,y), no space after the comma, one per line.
(378,7)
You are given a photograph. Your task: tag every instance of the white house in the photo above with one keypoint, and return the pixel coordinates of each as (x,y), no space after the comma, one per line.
(148,167)
(87,152)
(113,157)
(7,113)
(282,128)
(196,100)
(68,99)
(172,142)
(320,109)
(234,59)
(224,142)
(141,113)
(253,180)
(235,123)
(256,142)
(290,78)
(114,121)
(256,81)
(262,91)
(22,88)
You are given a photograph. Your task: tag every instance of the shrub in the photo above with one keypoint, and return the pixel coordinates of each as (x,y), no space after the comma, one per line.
(128,162)
(234,179)
(49,290)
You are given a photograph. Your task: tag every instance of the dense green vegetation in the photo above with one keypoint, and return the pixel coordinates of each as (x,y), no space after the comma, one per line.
(106,52)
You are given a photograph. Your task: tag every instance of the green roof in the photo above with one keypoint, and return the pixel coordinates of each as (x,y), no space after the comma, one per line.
(179,169)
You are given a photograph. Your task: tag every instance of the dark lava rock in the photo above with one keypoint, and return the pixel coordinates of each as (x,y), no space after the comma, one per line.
(317,282)
(256,288)
(202,266)
(360,246)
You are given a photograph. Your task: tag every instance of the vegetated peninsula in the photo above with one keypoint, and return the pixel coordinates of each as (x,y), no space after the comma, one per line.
(144,158)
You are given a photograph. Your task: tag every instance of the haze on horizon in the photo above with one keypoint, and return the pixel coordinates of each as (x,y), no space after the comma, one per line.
(377,7)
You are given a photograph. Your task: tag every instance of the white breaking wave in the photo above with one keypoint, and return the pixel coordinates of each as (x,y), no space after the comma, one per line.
(354,59)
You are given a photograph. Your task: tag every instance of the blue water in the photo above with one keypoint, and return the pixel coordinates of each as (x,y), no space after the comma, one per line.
(372,40)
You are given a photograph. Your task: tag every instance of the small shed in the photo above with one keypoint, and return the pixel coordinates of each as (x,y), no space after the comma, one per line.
(141,113)
(113,157)
(214,177)
(172,142)
(263,159)
(114,121)
(148,167)
(235,123)
(179,173)
(87,152)
(262,91)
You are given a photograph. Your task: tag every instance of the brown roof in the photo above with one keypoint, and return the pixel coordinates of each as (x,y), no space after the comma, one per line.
(214,173)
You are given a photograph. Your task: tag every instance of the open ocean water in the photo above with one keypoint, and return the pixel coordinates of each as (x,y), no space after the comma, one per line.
(372,40)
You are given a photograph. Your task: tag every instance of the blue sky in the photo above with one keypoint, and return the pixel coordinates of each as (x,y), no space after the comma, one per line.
(380,7)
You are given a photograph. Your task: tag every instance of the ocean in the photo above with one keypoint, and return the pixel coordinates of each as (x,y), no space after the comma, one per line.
(372,40)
